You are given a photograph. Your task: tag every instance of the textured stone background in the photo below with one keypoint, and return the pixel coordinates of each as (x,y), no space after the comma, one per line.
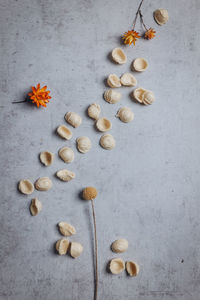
(148,185)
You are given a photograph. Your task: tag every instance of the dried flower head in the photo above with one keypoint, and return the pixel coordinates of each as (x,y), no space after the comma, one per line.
(89,193)
(149,34)
(39,96)
(130,37)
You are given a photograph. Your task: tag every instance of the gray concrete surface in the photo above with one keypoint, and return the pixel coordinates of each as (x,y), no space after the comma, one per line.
(148,185)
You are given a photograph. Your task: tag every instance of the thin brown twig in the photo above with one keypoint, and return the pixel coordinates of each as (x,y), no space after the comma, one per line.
(138,11)
(142,20)
(96,251)
(19,101)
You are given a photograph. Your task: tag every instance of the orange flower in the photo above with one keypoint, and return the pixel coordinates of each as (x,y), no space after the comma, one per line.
(149,34)
(39,96)
(130,37)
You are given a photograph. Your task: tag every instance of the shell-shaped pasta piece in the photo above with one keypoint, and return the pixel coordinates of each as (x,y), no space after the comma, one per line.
(73,119)
(43,184)
(138,94)
(64,132)
(113,81)
(66,154)
(62,246)
(26,187)
(66,229)
(35,207)
(116,265)
(83,144)
(107,141)
(65,175)
(46,158)
(161,16)
(119,56)
(127,79)
(132,268)
(125,114)
(140,64)
(103,124)
(94,111)
(119,246)
(148,97)
(112,97)
(75,249)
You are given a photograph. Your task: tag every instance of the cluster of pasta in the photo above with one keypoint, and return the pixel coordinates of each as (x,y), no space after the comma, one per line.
(84,144)
(117,265)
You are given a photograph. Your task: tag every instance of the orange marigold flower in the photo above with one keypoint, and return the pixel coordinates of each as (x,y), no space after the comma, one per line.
(130,37)
(39,96)
(149,34)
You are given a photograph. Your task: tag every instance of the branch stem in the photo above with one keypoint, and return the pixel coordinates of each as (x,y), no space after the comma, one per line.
(96,251)
(142,20)
(19,101)
(138,11)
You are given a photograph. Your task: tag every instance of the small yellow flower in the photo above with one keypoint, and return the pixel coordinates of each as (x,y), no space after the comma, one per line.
(130,37)
(39,96)
(149,34)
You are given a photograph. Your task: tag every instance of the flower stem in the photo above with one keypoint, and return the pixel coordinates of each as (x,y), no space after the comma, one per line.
(142,20)
(96,251)
(19,101)
(138,11)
